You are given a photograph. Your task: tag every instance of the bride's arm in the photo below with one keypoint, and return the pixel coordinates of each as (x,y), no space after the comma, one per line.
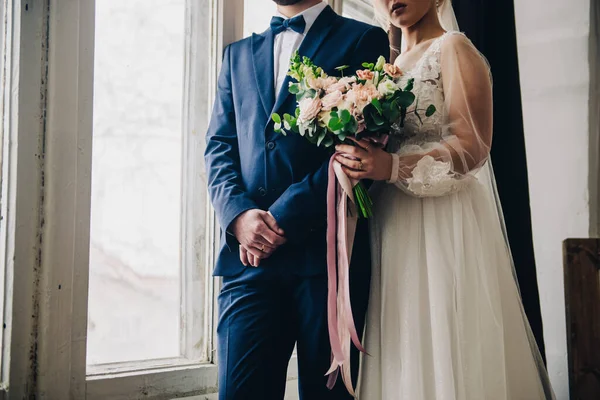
(467,133)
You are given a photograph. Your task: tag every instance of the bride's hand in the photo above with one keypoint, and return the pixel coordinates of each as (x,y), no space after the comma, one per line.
(371,162)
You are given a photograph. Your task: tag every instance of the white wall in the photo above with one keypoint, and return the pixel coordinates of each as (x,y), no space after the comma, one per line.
(554,44)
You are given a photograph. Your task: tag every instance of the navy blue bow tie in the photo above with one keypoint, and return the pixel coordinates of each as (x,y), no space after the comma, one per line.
(297,24)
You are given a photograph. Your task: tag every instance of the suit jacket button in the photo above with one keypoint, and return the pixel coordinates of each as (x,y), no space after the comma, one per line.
(262,192)
(270,145)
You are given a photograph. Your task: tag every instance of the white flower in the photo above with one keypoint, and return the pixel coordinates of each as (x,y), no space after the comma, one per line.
(308,72)
(324,118)
(387,88)
(380,63)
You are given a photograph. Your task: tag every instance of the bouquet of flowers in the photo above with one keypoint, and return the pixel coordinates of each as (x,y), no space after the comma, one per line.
(332,109)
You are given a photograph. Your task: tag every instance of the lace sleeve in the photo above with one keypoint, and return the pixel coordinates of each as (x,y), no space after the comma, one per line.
(442,167)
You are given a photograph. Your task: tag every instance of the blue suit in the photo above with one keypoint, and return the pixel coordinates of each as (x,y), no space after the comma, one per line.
(265,311)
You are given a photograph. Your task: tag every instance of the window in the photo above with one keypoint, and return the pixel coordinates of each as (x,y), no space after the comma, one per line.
(136,219)
(150,310)
(361,10)
(257,15)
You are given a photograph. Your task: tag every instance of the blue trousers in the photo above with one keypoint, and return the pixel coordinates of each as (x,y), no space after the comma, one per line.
(262,319)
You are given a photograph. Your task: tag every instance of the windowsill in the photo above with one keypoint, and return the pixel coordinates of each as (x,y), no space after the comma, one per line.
(159,383)
(103,371)
(198,382)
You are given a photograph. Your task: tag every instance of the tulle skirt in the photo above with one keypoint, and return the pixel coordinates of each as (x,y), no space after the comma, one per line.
(445,318)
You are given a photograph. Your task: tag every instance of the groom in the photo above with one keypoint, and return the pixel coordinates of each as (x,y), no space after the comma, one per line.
(269,193)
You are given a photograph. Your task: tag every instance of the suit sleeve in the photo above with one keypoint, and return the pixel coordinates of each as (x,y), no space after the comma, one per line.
(226,188)
(303,206)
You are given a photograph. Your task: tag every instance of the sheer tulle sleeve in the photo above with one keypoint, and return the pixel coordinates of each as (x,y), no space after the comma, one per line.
(445,165)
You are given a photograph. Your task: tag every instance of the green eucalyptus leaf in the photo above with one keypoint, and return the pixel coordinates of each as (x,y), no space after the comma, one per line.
(352,126)
(410,85)
(294,88)
(378,119)
(405,99)
(394,112)
(335,124)
(276,118)
(430,111)
(377,104)
(322,136)
(345,116)
(337,127)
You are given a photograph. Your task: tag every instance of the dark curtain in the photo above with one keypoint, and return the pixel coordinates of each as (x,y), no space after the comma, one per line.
(491,27)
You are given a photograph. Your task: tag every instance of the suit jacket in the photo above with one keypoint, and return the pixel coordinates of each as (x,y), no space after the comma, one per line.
(250,166)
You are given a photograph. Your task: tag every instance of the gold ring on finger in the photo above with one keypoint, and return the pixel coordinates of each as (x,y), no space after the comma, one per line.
(361,166)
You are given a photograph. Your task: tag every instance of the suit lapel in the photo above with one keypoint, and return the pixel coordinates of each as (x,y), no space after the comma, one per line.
(262,58)
(309,47)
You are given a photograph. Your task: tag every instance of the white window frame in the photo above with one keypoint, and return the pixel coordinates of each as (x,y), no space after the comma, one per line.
(24,44)
(195,372)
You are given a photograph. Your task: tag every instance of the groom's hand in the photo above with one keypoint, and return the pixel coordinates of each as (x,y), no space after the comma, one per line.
(258,234)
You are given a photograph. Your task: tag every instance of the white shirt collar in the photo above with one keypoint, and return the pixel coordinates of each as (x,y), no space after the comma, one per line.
(310,15)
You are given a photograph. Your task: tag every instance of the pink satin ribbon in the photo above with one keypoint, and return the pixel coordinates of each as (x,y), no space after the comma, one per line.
(342,217)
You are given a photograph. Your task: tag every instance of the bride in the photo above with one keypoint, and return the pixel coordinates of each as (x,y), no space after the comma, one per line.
(445,318)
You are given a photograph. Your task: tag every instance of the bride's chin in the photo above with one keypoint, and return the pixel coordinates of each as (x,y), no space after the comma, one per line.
(400,22)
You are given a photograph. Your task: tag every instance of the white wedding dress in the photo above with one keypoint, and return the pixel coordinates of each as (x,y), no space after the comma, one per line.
(445,318)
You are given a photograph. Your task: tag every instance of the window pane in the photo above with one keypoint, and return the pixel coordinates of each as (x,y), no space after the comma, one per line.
(134,293)
(257,15)
(361,10)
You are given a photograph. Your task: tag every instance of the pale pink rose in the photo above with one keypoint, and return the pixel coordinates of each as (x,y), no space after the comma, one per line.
(332,100)
(320,83)
(365,75)
(309,109)
(392,70)
(361,95)
(342,85)
(328,82)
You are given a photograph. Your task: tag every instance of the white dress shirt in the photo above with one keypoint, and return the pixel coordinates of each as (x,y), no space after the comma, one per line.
(288,41)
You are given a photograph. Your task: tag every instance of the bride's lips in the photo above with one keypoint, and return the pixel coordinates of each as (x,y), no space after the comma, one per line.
(398,8)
